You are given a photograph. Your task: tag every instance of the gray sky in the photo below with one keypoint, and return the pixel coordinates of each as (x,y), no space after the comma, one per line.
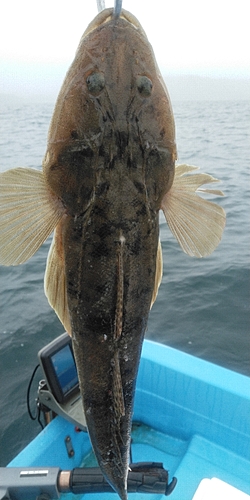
(38,40)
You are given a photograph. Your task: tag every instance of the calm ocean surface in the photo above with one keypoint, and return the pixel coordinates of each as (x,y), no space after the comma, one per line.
(203,305)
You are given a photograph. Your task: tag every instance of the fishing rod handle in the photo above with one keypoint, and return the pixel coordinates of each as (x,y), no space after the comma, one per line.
(144,477)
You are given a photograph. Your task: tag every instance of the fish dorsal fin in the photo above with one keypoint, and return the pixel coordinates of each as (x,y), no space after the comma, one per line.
(29,213)
(54,280)
(158,273)
(117,392)
(196,223)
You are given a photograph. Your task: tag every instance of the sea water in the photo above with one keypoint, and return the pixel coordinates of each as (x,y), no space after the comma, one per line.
(203,304)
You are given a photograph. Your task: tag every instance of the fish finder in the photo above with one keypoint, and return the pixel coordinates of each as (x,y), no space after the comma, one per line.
(58,364)
(59,391)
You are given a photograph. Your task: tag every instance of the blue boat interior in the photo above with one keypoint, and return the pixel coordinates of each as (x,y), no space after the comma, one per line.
(189,414)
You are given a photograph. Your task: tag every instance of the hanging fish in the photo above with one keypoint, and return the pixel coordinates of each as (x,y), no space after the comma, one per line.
(108,170)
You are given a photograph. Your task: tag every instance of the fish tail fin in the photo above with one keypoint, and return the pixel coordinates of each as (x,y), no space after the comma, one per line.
(29,213)
(117,474)
(118,484)
(196,223)
(122,494)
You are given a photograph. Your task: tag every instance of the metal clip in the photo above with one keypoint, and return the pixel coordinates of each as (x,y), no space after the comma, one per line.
(69,446)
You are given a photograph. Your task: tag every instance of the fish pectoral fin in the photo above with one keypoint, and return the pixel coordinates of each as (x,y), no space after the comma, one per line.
(196,223)
(158,273)
(54,280)
(29,213)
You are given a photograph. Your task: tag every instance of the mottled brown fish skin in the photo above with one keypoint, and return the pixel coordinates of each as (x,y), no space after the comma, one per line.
(110,159)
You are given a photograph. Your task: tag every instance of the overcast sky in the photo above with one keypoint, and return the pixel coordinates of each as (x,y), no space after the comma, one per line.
(208,38)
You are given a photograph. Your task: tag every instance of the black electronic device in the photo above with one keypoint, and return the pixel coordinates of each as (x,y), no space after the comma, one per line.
(59,391)
(58,363)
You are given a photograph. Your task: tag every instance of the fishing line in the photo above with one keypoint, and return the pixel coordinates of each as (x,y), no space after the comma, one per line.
(100,5)
(117,8)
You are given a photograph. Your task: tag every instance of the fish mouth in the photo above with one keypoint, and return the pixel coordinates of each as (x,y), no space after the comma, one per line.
(106,16)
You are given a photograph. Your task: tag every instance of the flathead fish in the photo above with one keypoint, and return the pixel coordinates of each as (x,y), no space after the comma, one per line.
(108,170)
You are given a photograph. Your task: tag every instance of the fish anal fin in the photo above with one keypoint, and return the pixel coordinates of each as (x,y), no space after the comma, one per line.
(29,213)
(54,280)
(196,223)
(158,272)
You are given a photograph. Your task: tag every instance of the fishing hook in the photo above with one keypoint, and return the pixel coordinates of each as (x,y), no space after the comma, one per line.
(117,6)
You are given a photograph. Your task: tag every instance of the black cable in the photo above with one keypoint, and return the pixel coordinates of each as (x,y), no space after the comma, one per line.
(39,417)
(28,394)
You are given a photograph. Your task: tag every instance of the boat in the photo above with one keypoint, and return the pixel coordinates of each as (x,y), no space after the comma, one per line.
(191,418)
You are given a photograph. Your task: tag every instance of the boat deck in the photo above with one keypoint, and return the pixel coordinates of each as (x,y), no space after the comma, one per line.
(190,415)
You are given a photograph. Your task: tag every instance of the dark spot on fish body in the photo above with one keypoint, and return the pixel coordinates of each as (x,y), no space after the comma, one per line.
(121,138)
(102,189)
(130,346)
(109,116)
(139,186)
(71,289)
(97,324)
(77,229)
(101,250)
(74,134)
(111,163)
(135,246)
(105,230)
(102,288)
(75,155)
(132,162)
(139,207)
(100,404)
(72,177)
(140,295)
(142,211)
(106,154)
(76,203)
(102,150)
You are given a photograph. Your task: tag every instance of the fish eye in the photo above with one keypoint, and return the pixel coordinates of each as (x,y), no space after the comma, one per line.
(95,83)
(144,85)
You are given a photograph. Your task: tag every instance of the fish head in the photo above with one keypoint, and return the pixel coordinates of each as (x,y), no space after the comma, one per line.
(113,103)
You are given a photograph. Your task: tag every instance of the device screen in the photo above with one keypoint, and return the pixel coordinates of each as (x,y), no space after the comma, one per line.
(58,364)
(65,369)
